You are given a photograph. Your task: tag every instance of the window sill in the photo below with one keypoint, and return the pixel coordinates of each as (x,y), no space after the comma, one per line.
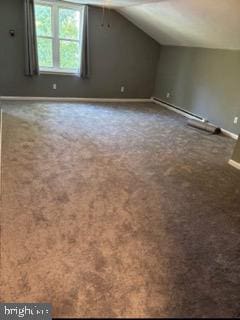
(59,73)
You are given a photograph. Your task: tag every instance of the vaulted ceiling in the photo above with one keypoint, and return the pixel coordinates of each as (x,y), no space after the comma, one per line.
(115,3)
(198,23)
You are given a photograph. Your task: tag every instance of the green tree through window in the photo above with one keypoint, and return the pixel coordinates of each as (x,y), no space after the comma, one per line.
(58,36)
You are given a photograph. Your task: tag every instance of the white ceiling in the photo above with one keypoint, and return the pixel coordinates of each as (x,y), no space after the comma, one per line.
(198,23)
(114,3)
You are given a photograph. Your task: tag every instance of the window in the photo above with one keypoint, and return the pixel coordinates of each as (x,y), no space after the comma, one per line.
(58,36)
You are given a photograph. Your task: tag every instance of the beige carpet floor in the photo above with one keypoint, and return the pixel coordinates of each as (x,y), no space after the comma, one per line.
(118,211)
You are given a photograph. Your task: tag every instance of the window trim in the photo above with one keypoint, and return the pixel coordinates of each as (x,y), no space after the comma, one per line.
(55,8)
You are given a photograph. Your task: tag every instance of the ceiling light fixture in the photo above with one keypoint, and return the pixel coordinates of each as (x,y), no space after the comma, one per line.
(106,6)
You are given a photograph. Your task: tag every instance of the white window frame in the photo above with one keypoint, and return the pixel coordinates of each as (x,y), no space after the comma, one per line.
(55,7)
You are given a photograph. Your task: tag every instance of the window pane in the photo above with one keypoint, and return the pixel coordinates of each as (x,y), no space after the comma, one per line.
(45,49)
(43,20)
(69,55)
(69,24)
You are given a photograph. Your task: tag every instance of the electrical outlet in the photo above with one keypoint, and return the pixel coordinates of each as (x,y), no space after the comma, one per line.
(168,95)
(235,120)
(54,86)
(122,89)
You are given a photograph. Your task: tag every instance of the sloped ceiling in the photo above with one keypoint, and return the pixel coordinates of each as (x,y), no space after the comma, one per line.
(194,23)
(197,23)
(113,3)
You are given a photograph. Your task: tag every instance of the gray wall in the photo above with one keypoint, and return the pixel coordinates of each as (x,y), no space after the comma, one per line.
(236,153)
(203,81)
(121,55)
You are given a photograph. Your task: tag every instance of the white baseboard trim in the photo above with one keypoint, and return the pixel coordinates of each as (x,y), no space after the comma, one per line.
(62,99)
(230,134)
(234,164)
(186,115)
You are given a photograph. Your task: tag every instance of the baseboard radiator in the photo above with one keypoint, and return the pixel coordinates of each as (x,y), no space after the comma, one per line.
(187,113)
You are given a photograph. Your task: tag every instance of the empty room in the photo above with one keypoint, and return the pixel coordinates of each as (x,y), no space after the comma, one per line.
(119,159)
